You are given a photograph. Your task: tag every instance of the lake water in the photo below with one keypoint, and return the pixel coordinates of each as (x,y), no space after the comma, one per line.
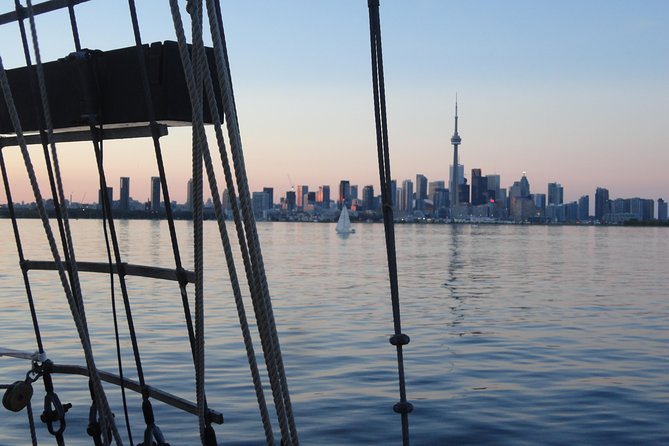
(519,334)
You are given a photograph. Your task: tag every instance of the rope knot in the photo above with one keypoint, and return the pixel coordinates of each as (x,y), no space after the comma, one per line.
(54,412)
(400,339)
(403,407)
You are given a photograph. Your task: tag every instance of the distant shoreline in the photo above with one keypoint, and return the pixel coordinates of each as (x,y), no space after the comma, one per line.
(208,214)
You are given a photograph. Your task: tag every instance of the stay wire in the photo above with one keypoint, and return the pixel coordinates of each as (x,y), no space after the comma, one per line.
(161,172)
(73,25)
(33,81)
(113,305)
(220,217)
(19,249)
(73,293)
(199,140)
(253,263)
(399,339)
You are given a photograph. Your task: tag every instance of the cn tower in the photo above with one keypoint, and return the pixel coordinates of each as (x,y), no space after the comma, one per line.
(455,140)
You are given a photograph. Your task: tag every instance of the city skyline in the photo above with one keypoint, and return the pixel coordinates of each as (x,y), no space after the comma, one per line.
(574,93)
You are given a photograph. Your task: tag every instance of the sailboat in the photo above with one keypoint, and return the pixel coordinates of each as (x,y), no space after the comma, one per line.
(344,222)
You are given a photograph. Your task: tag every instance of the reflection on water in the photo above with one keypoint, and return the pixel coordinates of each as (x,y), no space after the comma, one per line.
(519,334)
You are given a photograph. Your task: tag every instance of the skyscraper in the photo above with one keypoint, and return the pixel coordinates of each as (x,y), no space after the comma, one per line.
(493,185)
(260,202)
(521,205)
(455,140)
(323,196)
(406,202)
(368,197)
(110,194)
(584,208)
(601,203)
(189,194)
(344,193)
(290,200)
(300,193)
(479,188)
(393,194)
(155,194)
(354,191)
(540,204)
(270,195)
(433,187)
(661,209)
(555,193)
(124,202)
(421,191)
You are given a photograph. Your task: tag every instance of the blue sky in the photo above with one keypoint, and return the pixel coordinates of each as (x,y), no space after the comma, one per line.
(574,91)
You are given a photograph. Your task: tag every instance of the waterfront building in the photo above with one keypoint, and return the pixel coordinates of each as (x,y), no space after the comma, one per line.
(155,194)
(440,202)
(124,199)
(479,188)
(300,193)
(584,208)
(502,202)
(421,191)
(406,200)
(189,194)
(554,213)
(270,195)
(601,203)
(621,210)
(110,195)
(521,205)
(494,183)
(661,209)
(555,193)
(260,202)
(540,204)
(344,193)
(323,196)
(642,209)
(571,212)
(354,192)
(225,201)
(368,197)
(463,193)
(291,201)
(433,187)
(393,193)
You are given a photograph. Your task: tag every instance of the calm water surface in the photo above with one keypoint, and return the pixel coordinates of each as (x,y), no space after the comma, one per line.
(519,334)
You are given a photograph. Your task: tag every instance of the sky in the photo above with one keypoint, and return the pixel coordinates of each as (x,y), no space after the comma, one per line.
(575,92)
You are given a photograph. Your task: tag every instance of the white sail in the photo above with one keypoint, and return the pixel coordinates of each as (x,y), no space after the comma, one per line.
(344,222)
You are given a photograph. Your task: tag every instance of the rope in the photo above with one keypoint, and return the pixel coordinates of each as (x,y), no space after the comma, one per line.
(220,217)
(196,98)
(19,249)
(31,423)
(199,140)
(114,314)
(76,305)
(399,339)
(73,25)
(43,136)
(163,177)
(253,263)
